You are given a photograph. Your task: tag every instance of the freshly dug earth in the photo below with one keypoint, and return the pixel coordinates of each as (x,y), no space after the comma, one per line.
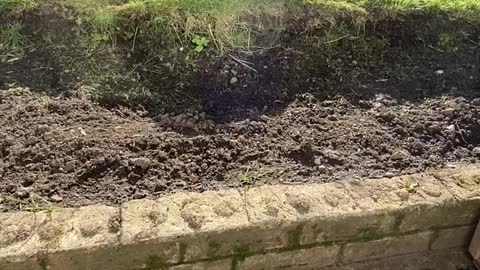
(72,152)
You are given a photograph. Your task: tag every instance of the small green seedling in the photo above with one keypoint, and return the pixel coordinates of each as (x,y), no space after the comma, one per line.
(34,203)
(245,176)
(200,42)
(249,176)
(409,186)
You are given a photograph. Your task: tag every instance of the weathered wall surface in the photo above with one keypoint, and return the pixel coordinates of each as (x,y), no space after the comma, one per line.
(268,227)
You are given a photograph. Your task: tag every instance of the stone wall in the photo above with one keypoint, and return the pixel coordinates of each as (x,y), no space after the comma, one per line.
(267,227)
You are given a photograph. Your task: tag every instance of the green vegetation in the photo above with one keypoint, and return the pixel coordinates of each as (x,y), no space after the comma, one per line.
(34,203)
(232,23)
(227,23)
(200,42)
(250,176)
(10,36)
(14,7)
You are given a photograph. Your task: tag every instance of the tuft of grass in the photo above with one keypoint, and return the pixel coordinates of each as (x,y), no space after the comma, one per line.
(10,36)
(34,203)
(105,21)
(13,7)
(409,186)
(250,177)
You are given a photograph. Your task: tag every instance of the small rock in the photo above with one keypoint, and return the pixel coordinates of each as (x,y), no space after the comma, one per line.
(418,147)
(28,182)
(143,163)
(476,151)
(387,117)
(42,129)
(22,194)
(264,118)
(160,187)
(399,155)
(476,101)
(139,195)
(419,128)
(450,112)
(321,168)
(133,178)
(450,128)
(48,136)
(461,152)
(331,118)
(56,163)
(332,157)
(162,156)
(31,140)
(56,198)
(233,80)
(390,175)
(400,131)
(70,166)
(434,128)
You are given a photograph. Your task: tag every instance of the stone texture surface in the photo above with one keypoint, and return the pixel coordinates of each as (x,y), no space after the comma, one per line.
(361,251)
(215,265)
(437,215)
(474,247)
(357,226)
(186,228)
(306,259)
(451,259)
(80,233)
(453,238)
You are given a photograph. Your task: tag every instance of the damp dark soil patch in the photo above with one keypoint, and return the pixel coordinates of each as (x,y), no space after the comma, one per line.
(74,152)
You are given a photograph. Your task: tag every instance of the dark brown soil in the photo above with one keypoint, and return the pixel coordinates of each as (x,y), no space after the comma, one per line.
(73,152)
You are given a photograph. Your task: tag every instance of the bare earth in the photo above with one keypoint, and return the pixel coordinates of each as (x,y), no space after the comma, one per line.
(72,152)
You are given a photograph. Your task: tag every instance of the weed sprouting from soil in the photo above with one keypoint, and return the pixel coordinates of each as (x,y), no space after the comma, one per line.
(34,203)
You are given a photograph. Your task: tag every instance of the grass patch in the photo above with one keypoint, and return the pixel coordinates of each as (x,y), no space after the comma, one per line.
(467,9)
(10,36)
(223,21)
(13,7)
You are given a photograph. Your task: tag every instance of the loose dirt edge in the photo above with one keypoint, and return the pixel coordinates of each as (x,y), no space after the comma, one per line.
(296,226)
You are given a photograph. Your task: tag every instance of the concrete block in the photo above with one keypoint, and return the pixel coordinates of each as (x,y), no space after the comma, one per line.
(225,264)
(304,259)
(367,225)
(362,251)
(447,214)
(453,238)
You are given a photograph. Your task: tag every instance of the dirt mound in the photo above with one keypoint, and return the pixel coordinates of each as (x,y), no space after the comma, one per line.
(73,152)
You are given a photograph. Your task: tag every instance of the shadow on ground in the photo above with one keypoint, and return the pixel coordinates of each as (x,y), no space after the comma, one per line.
(413,57)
